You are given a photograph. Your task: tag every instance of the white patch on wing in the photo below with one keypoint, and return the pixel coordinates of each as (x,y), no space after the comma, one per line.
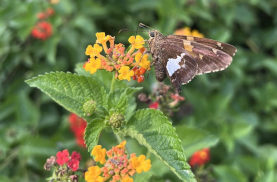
(174,64)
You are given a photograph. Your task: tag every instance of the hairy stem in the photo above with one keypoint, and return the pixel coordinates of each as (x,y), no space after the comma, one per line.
(112,84)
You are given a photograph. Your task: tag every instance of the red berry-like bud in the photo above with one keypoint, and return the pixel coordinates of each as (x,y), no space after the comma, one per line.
(142,71)
(140,79)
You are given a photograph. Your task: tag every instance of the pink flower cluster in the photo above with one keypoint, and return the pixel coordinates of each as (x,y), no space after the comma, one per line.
(63,157)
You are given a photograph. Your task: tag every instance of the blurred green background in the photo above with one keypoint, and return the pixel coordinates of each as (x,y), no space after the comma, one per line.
(238,106)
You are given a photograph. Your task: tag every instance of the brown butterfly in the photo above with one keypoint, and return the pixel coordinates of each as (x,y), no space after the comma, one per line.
(181,58)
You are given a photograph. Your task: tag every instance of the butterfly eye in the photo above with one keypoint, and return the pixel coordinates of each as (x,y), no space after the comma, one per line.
(152,34)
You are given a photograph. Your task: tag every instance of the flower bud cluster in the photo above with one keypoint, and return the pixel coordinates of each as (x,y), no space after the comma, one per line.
(163,98)
(64,166)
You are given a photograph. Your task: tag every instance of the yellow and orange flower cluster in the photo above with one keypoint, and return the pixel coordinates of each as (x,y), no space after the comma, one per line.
(187,31)
(118,167)
(127,64)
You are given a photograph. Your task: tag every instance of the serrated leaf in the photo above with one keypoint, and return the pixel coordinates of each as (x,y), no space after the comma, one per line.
(92,133)
(102,76)
(194,139)
(69,90)
(153,130)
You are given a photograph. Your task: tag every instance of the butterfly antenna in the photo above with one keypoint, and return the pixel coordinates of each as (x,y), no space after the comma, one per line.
(122,30)
(141,25)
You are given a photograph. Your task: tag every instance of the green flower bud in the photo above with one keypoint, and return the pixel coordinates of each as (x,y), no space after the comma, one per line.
(89,107)
(116,120)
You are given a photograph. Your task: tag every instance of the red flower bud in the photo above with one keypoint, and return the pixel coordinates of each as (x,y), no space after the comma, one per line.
(140,79)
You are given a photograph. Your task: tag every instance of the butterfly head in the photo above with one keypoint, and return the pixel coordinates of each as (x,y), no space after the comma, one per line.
(154,37)
(155,34)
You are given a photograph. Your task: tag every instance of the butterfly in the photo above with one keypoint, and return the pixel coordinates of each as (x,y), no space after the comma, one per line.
(181,58)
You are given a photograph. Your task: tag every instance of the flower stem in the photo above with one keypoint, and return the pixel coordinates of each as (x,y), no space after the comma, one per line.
(118,138)
(112,84)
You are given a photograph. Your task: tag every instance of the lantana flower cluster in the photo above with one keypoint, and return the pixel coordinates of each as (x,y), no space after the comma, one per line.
(188,32)
(78,127)
(45,14)
(115,165)
(200,157)
(163,98)
(43,29)
(127,64)
(64,166)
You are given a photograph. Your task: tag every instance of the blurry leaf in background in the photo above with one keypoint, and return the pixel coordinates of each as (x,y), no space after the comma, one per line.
(194,139)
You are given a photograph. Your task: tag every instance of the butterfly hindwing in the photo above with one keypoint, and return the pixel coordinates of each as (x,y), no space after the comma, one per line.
(179,65)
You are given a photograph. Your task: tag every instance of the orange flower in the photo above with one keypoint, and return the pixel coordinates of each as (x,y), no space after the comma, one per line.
(93,174)
(136,41)
(188,32)
(140,164)
(99,154)
(54,1)
(118,166)
(127,179)
(102,38)
(93,51)
(122,144)
(125,73)
(142,60)
(183,31)
(200,157)
(93,65)
(116,59)
(195,33)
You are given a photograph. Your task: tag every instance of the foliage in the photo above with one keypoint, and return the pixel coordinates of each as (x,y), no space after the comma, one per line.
(235,109)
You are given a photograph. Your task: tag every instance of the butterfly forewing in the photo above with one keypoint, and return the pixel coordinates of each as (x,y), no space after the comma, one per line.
(229,49)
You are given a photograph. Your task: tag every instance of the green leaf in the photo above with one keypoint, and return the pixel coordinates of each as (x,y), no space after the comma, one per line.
(92,133)
(70,90)
(195,139)
(153,130)
(102,76)
(123,101)
(229,173)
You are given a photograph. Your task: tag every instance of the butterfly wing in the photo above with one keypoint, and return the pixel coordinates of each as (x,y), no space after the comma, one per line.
(227,48)
(180,66)
(209,58)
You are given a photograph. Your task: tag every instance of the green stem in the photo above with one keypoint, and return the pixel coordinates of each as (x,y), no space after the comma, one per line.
(112,84)
(118,138)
